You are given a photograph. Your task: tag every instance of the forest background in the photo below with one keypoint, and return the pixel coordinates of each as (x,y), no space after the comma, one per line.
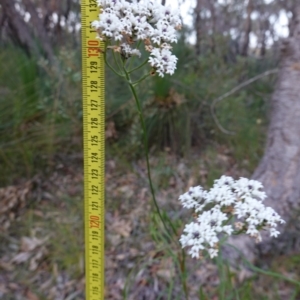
(210,118)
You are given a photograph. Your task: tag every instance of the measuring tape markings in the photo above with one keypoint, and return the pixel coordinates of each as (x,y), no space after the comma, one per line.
(93,80)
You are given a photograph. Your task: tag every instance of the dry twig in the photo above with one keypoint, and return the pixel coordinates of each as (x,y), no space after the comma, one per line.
(235,89)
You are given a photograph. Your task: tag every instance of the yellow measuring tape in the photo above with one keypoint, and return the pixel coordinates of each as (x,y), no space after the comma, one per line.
(93,136)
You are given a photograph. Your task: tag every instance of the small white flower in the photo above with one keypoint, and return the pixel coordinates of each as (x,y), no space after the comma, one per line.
(274,232)
(163,61)
(222,195)
(126,51)
(136,21)
(227,229)
(203,234)
(227,199)
(252,231)
(245,187)
(213,252)
(164,33)
(224,180)
(194,198)
(110,26)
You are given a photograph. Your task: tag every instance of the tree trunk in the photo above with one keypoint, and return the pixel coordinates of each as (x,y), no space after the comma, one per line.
(279,169)
(33,39)
(264,27)
(248,25)
(18,28)
(40,31)
(213,25)
(197,12)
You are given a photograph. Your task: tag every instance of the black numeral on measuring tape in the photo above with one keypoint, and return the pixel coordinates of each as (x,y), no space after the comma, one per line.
(92,5)
(94,140)
(95,190)
(93,100)
(93,66)
(95,174)
(93,86)
(95,276)
(95,206)
(95,235)
(94,157)
(94,122)
(95,249)
(95,263)
(94,104)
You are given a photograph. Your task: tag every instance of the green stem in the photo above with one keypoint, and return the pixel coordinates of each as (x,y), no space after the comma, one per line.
(222,287)
(116,61)
(183,272)
(131,86)
(181,258)
(134,69)
(141,79)
(132,58)
(111,67)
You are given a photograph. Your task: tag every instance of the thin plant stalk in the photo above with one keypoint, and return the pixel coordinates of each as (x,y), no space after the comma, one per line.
(181,256)
(145,136)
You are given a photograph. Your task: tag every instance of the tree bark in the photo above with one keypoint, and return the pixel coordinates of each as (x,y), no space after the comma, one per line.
(248,26)
(19,30)
(213,25)
(40,31)
(197,12)
(279,169)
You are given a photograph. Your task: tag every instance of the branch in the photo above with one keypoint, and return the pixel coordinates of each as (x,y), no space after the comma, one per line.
(237,88)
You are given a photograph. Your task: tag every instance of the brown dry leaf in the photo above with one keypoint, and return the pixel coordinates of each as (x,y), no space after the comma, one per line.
(166,269)
(122,227)
(110,132)
(46,284)
(3,289)
(142,194)
(12,200)
(172,181)
(38,213)
(121,256)
(114,239)
(191,182)
(223,158)
(21,257)
(134,252)
(7,266)
(29,244)
(31,296)
(13,286)
(34,261)
(127,190)
(31,248)
(109,263)
(244,275)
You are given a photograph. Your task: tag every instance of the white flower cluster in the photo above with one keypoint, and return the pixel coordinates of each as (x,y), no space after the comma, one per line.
(229,207)
(146,20)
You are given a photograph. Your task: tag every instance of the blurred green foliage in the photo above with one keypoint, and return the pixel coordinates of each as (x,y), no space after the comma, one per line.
(41,114)
(40,107)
